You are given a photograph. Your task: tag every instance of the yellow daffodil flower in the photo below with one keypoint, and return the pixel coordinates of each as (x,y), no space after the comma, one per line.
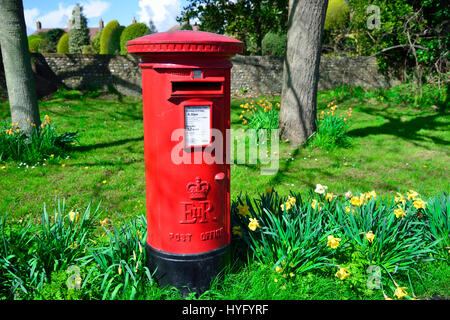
(330,197)
(371,195)
(400,292)
(278,269)
(254,224)
(412,194)
(419,203)
(399,213)
(243,210)
(236,231)
(333,242)
(342,273)
(105,222)
(73,216)
(356,201)
(315,204)
(370,236)
(268,190)
(400,198)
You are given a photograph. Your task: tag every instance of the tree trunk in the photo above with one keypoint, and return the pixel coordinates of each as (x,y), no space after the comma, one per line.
(17,64)
(301,69)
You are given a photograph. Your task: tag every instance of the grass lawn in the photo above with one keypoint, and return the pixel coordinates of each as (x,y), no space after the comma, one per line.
(395,147)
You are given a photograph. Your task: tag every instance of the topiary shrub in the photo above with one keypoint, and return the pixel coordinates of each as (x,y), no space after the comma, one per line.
(95,43)
(114,40)
(34,44)
(106,33)
(63,44)
(337,14)
(274,44)
(131,32)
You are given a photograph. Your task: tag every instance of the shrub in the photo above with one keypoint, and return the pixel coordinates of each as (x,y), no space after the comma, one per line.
(50,42)
(79,32)
(42,144)
(106,34)
(95,43)
(337,14)
(274,44)
(88,49)
(131,32)
(34,44)
(114,40)
(63,44)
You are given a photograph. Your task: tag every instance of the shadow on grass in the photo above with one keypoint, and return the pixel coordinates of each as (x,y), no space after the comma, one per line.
(281,174)
(408,130)
(106,144)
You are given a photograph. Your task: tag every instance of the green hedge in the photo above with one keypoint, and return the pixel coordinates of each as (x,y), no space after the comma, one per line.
(131,32)
(114,40)
(63,44)
(34,44)
(274,44)
(337,14)
(106,34)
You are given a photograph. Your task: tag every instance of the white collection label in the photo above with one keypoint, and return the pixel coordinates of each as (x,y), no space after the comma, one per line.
(197,124)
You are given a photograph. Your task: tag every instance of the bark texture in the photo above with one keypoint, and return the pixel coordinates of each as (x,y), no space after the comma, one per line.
(17,64)
(301,69)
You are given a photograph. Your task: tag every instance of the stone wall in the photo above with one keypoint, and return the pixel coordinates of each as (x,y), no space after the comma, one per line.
(84,71)
(263,75)
(256,75)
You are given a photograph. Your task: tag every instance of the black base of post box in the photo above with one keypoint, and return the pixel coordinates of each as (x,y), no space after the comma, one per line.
(187,272)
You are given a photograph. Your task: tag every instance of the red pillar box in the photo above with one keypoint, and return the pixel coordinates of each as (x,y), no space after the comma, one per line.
(186,98)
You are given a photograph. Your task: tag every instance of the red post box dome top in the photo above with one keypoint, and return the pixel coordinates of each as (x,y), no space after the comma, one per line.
(185,41)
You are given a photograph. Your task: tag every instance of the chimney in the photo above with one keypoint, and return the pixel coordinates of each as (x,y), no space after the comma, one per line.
(134,20)
(101,25)
(38,26)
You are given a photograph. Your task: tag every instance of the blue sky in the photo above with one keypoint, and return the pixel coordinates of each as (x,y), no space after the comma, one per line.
(55,13)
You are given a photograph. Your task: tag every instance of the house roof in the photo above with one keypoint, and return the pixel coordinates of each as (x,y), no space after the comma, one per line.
(92,31)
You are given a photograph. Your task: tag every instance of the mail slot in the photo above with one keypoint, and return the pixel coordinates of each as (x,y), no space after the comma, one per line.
(186,86)
(197,87)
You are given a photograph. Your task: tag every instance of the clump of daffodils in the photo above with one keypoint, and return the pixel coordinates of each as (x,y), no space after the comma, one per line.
(288,204)
(411,195)
(331,111)
(250,108)
(363,198)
